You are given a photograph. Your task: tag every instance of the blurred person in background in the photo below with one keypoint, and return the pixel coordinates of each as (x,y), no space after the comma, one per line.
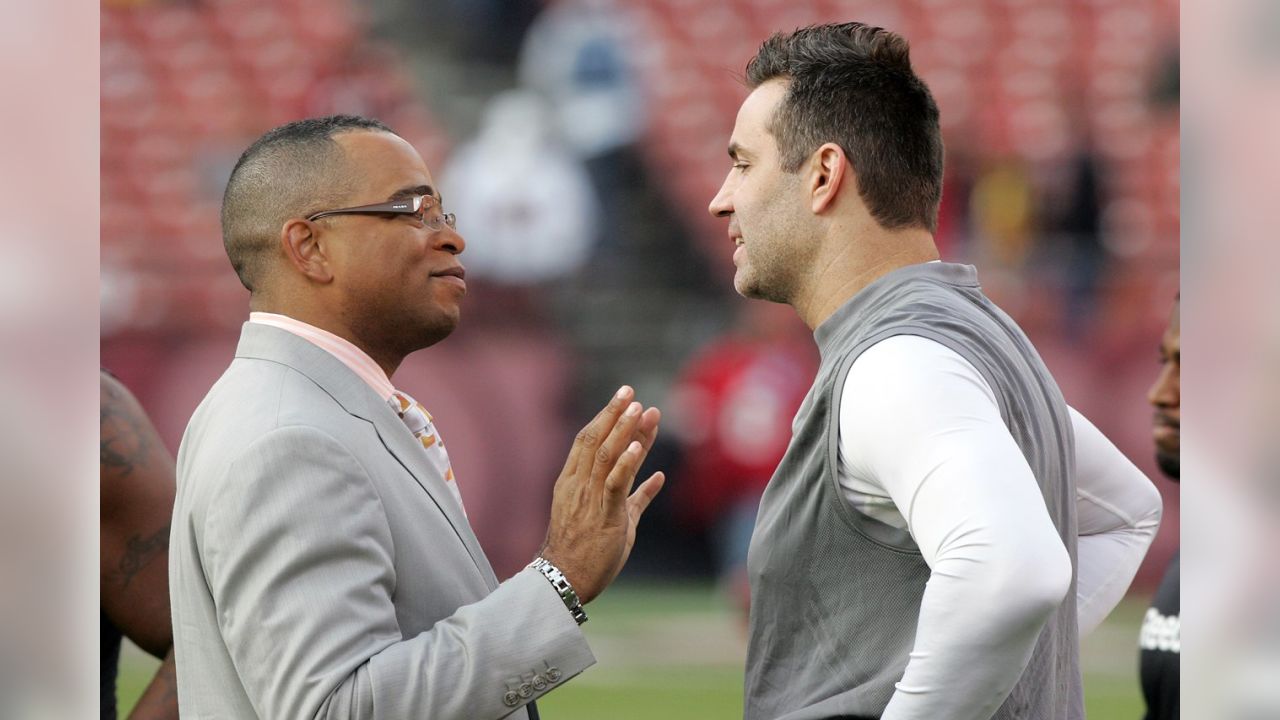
(1003,211)
(1077,227)
(526,231)
(137,477)
(1160,641)
(582,57)
(943,527)
(733,404)
(323,564)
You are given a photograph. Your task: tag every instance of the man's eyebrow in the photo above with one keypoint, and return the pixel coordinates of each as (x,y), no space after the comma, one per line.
(408,192)
(738,153)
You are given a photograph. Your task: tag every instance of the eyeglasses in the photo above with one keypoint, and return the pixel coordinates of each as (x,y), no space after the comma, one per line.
(419,205)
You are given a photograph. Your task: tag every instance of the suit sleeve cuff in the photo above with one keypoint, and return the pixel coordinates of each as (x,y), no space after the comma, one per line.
(564,649)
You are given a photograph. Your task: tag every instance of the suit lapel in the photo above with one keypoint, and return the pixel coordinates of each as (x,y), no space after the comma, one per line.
(408,451)
(356,397)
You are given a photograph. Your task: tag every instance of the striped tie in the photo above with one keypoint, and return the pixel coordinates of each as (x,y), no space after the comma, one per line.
(419,422)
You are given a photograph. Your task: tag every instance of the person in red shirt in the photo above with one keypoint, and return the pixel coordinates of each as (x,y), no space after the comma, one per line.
(735,400)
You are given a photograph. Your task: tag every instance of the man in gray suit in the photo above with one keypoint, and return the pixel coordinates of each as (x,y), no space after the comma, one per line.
(321,561)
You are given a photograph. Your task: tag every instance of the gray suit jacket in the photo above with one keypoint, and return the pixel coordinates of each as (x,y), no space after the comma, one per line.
(320,569)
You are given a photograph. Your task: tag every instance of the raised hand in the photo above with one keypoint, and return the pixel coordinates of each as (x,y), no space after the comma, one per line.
(593,520)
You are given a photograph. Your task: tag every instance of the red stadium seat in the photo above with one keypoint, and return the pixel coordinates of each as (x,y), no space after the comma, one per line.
(1005,73)
(183,85)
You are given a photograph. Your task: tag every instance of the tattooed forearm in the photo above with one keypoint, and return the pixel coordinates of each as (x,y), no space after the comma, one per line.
(139,551)
(160,700)
(125,441)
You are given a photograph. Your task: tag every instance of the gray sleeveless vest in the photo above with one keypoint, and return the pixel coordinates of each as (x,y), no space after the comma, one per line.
(835,594)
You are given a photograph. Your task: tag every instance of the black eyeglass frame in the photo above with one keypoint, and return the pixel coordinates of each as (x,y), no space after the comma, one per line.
(407,206)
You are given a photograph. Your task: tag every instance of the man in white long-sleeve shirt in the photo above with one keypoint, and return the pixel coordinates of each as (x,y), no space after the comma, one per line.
(943,527)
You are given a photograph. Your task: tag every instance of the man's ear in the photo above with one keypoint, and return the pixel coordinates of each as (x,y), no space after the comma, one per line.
(829,169)
(304,251)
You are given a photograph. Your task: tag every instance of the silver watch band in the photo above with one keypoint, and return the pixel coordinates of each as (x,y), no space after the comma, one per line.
(562,586)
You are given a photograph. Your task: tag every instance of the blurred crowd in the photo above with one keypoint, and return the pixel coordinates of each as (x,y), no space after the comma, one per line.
(579,142)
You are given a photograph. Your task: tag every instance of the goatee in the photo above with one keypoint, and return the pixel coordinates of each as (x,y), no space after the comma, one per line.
(1168,465)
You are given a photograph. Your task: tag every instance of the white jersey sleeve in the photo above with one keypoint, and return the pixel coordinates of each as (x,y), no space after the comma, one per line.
(1118,513)
(917,420)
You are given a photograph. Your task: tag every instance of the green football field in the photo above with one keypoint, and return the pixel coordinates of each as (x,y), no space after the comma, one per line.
(676,652)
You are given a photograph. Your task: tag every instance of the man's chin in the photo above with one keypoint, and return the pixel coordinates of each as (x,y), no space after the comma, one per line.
(1169,464)
(752,290)
(438,329)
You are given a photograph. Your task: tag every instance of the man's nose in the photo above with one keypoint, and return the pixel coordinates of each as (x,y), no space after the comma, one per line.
(721,205)
(451,241)
(1161,393)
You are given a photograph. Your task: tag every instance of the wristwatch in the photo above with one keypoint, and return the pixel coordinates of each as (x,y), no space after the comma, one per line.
(562,586)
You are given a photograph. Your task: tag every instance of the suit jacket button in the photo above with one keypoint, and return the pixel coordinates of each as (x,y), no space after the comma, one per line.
(554,674)
(511,699)
(539,683)
(526,690)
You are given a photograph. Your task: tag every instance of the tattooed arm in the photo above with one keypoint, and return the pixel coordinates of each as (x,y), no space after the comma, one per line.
(137,475)
(160,700)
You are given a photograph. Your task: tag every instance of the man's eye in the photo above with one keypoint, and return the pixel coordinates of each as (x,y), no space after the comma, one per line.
(739,166)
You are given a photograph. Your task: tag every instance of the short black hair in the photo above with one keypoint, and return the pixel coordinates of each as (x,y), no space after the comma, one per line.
(290,170)
(852,84)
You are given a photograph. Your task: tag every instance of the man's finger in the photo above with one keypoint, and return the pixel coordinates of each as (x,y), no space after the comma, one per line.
(594,432)
(648,428)
(606,456)
(640,499)
(623,473)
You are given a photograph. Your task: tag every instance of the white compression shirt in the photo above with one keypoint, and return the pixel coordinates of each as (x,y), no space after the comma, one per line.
(923,447)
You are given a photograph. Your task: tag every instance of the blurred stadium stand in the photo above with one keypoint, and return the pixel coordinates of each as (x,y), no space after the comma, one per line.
(186,85)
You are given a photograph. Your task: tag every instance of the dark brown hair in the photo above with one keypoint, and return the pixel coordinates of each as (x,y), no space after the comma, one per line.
(852,84)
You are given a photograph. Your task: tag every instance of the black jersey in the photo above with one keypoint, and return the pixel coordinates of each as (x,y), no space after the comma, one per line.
(109,646)
(1161,647)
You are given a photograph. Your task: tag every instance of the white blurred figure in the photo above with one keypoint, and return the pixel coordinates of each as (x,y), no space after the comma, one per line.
(527,205)
(580,55)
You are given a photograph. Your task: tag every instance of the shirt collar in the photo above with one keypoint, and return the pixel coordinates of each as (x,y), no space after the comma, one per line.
(353,357)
